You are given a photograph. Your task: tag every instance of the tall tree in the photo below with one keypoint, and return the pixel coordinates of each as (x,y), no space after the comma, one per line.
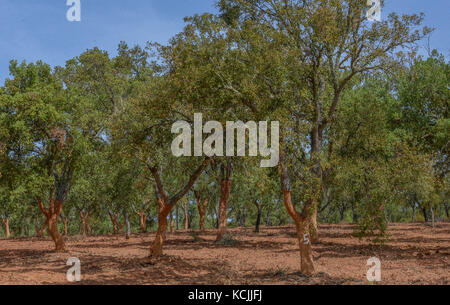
(328,43)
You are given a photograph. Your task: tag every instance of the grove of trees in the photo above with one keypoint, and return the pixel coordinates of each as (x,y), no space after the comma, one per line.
(364,128)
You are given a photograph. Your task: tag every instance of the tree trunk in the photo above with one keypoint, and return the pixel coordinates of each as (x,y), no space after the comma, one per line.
(302,225)
(6,224)
(258,216)
(163,211)
(425,214)
(302,221)
(201,211)
(244,217)
(85,228)
(432,217)
(142,218)
(117,227)
(446,211)
(65,222)
(171,222)
(225,187)
(186,218)
(414,214)
(52,215)
(342,213)
(83,224)
(54,233)
(143,221)
(127,223)
(115,231)
(314,230)
(268,223)
(166,204)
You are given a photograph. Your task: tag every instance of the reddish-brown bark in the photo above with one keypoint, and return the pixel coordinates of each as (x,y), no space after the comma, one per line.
(186,217)
(163,211)
(117,226)
(302,225)
(201,210)
(166,204)
(302,221)
(225,187)
(85,228)
(5,222)
(52,215)
(142,219)
(65,222)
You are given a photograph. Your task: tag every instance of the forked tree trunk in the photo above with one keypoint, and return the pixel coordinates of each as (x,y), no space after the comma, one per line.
(164,210)
(117,227)
(225,187)
(302,221)
(85,228)
(302,226)
(189,221)
(52,215)
(54,233)
(166,204)
(142,220)
(113,218)
(6,224)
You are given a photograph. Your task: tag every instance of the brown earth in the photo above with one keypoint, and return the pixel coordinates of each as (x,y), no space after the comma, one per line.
(415,254)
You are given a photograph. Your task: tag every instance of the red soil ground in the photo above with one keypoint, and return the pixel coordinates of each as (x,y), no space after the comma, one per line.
(415,254)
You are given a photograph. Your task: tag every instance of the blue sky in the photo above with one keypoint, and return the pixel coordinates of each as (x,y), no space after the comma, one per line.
(38,29)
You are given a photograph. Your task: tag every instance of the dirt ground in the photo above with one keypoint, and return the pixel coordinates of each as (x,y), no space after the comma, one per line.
(415,254)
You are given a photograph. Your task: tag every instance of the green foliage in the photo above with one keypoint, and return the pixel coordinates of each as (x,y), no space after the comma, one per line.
(364,133)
